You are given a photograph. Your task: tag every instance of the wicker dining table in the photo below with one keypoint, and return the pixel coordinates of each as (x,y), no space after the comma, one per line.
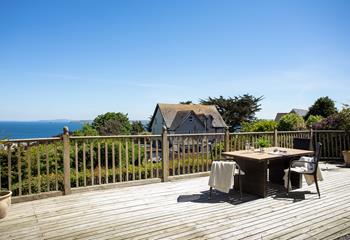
(264,167)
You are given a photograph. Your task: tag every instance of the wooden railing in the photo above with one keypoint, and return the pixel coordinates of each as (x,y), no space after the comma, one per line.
(333,143)
(31,166)
(111,159)
(42,166)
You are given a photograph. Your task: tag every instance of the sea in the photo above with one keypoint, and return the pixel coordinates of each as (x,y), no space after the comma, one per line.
(35,129)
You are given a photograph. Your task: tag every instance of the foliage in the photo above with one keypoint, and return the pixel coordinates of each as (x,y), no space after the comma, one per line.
(217,148)
(137,127)
(235,110)
(263,142)
(87,130)
(112,123)
(291,122)
(259,126)
(323,106)
(337,121)
(312,120)
(186,102)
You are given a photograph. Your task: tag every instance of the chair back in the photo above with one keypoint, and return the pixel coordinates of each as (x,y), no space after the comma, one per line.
(317,154)
(301,143)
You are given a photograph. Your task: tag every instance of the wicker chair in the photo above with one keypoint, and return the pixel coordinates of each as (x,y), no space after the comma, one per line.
(308,171)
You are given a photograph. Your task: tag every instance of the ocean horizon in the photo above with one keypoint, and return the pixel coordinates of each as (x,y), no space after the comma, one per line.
(36,129)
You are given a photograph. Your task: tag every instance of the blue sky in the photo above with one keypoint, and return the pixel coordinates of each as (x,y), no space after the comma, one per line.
(77,59)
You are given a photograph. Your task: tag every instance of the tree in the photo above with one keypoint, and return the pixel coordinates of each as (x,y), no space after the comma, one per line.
(86,130)
(236,110)
(323,106)
(112,123)
(291,122)
(137,127)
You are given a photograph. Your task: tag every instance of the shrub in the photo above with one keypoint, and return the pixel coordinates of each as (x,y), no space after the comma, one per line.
(312,120)
(263,142)
(259,126)
(337,121)
(291,122)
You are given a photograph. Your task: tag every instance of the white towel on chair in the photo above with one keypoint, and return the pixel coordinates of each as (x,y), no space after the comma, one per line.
(302,166)
(222,175)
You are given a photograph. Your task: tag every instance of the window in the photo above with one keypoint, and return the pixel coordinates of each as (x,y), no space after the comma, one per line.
(190,118)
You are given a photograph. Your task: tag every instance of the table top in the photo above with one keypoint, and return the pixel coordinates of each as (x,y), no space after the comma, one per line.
(269,153)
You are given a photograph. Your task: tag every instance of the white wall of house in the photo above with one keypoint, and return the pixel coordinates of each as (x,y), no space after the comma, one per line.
(158,123)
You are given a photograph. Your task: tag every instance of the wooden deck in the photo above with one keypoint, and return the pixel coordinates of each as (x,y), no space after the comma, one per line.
(180,210)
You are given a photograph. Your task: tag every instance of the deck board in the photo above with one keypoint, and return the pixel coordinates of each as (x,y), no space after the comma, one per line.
(181,210)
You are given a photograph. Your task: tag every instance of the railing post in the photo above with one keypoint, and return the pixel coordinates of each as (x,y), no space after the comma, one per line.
(66,161)
(275,137)
(165,154)
(311,139)
(227,140)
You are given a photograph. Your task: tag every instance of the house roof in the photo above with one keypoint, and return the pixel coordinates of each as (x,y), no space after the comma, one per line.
(301,112)
(279,116)
(170,112)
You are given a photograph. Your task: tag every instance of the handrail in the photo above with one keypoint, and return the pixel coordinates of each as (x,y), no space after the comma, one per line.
(30,140)
(115,136)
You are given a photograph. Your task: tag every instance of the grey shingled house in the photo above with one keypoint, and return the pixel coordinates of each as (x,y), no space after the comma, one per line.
(300,112)
(187,118)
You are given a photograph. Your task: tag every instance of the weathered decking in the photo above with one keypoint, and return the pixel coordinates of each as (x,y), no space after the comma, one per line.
(180,210)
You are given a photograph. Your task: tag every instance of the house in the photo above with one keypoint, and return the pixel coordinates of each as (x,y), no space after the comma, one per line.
(300,112)
(187,118)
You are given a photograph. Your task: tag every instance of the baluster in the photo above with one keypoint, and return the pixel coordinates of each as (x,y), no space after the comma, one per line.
(106,162)
(151,156)
(172,156)
(145,157)
(157,157)
(99,163)
(126,160)
(84,163)
(76,165)
(133,158)
(92,163)
(56,166)
(178,156)
(207,149)
(9,156)
(47,166)
(113,162)
(198,154)
(38,166)
(139,157)
(120,161)
(183,155)
(189,153)
(202,154)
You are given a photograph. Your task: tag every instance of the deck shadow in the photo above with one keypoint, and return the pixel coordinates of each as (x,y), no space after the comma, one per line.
(296,196)
(233,197)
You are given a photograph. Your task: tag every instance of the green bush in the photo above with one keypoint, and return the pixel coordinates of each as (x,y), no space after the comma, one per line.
(337,121)
(259,126)
(263,142)
(312,120)
(291,122)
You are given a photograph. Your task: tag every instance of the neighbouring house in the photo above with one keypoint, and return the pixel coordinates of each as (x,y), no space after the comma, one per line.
(187,118)
(300,112)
